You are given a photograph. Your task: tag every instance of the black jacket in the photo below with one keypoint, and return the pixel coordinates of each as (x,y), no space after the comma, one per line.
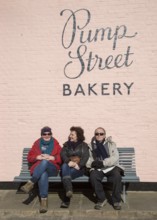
(82,151)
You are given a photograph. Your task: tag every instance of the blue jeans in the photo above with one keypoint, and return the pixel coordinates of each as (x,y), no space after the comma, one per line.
(71,172)
(41,174)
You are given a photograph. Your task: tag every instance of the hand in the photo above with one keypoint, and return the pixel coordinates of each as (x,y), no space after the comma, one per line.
(72,164)
(40,157)
(48,157)
(97,164)
(51,158)
(77,167)
(75,159)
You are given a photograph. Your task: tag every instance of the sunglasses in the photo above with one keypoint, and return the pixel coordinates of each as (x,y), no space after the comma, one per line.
(97,134)
(46,134)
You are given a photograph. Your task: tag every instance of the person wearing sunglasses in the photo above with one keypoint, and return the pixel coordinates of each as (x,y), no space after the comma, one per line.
(104,161)
(75,153)
(45,160)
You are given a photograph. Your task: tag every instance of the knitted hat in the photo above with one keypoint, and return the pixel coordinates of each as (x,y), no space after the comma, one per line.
(46,129)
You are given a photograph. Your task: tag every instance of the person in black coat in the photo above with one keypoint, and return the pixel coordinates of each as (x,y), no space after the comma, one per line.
(75,154)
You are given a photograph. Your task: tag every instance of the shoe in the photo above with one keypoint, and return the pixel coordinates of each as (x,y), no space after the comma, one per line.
(117,206)
(69,194)
(27,187)
(65,205)
(100,205)
(43,205)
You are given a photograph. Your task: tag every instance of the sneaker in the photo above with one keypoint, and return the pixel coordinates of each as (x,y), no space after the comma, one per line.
(117,206)
(69,194)
(99,205)
(65,204)
(27,187)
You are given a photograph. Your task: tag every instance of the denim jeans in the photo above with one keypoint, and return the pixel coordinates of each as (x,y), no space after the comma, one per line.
(41,174)
(71,172)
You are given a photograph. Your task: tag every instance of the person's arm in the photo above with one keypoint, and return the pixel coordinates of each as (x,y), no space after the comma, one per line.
(57,157)
(90,159)
(64,156)
(33,153)
(114,157)
(85,156)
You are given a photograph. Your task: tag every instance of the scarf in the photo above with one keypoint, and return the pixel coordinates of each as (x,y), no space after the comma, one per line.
(100,150)
(73,145)
(46,147)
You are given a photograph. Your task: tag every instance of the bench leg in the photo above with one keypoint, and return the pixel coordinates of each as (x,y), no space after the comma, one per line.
(124,193)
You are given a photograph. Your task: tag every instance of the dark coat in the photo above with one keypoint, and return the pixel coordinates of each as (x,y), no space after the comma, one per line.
(82,151)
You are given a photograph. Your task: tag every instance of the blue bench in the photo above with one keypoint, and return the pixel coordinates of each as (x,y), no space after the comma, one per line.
(126,159)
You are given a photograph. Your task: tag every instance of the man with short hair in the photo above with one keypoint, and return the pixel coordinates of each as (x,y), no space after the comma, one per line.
(104,161)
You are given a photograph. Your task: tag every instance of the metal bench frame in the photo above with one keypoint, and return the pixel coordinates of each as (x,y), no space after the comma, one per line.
(126,159)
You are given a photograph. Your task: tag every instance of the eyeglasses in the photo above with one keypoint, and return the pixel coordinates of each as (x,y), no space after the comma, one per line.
(46,134)
(97,134)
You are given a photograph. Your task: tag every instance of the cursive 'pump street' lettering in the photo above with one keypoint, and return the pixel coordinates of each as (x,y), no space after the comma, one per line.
(88,60)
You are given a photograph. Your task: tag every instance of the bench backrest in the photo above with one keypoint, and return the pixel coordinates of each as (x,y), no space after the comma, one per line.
(126,159)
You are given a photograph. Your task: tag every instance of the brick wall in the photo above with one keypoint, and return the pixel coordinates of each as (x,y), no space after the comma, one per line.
(32,61)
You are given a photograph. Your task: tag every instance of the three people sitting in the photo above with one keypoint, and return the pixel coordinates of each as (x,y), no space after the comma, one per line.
(100,157)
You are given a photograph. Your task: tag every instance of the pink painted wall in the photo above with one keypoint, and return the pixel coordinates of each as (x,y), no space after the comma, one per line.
(32,61)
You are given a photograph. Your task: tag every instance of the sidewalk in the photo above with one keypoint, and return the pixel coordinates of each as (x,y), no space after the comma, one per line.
(139,205)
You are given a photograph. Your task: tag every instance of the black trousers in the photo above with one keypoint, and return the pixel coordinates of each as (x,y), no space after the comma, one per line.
(113,176)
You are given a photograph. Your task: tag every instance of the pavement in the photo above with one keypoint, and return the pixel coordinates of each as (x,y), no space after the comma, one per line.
(140,205)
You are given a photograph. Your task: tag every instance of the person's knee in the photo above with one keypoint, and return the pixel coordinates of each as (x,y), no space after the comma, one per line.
(44,176)
(117,177)
(44,162)
(93,175)
(65,166)
(65,169)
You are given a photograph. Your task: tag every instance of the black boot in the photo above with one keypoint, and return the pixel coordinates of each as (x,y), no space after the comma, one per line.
(68,186)
(65,203)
